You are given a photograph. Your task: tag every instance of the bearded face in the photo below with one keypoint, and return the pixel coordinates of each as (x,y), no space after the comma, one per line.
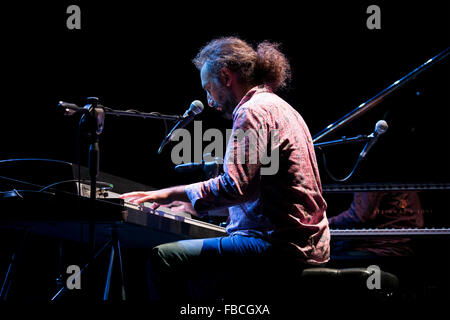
(220,97)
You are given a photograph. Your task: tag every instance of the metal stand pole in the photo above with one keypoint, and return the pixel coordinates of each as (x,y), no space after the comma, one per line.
(115,247)
(94,118)
(10,273)
(58,295)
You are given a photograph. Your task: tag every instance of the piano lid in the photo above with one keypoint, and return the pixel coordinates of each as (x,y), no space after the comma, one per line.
(415,148)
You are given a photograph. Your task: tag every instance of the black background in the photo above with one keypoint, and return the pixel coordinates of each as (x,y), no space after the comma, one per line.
(136,56)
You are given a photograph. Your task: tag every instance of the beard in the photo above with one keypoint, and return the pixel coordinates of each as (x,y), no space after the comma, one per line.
(226,102)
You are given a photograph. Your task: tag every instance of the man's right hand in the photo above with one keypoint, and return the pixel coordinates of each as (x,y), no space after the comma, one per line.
(181,207)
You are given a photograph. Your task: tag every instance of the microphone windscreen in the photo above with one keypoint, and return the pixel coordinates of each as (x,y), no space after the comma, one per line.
(381,127)
(196,107)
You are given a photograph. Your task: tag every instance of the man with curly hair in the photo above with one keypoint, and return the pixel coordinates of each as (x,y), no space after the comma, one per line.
(277,222)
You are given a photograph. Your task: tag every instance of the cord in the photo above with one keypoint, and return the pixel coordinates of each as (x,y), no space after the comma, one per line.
(109,185)
(331,175)
(34,159)
(134,111)
(17,192)
(56,183)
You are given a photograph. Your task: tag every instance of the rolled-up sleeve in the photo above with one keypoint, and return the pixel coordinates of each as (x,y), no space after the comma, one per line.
(241,177)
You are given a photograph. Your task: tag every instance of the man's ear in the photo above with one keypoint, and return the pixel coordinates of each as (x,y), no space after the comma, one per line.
(226,76)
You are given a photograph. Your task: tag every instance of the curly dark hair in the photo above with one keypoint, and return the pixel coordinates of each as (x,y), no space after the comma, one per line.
(265,65)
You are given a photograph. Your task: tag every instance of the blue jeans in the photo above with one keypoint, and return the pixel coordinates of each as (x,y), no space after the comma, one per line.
(210,269)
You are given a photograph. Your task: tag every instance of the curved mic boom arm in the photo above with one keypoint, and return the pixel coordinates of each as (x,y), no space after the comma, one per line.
(369,104)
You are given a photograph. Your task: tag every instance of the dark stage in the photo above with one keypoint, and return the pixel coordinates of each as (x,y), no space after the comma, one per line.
(136,56)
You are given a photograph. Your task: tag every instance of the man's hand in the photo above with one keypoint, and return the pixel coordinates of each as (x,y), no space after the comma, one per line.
(158,197)
(181,207)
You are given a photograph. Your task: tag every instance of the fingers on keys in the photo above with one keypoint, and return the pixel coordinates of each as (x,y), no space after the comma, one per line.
(154,206)
(136,197)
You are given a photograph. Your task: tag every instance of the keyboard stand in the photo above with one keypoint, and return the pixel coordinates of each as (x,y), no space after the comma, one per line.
(10,273)
(115,249)
(114,245)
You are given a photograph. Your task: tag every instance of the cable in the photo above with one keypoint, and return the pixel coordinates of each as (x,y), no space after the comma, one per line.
(108,185)
(329,173)
(17,192)
(137,112)
(33,184)
(20,181)
(56,183)
(34,159)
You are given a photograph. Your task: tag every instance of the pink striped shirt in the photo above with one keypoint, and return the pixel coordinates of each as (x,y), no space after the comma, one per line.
(280,200)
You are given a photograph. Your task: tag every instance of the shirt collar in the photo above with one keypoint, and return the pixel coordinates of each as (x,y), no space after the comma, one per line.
(255,90)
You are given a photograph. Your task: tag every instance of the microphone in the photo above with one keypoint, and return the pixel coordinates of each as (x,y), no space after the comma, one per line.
(380,128)
(69,108)
(195,108)
(210,168)
(92,110)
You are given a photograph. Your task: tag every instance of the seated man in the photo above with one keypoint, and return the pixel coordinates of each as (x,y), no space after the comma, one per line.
(277,221)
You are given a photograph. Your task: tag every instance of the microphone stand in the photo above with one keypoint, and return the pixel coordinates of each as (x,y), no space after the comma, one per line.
(93,114)
(95,121)
(343,140)
(72,108)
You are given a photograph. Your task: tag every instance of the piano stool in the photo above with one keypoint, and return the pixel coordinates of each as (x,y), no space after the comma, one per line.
(347,284)
(318,285)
